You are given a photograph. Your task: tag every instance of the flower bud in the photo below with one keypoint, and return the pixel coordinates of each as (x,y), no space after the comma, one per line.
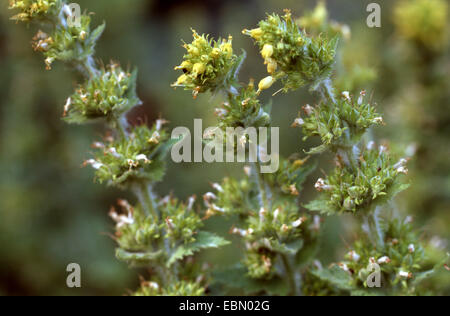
(267,51)
(266,83)
(199,68)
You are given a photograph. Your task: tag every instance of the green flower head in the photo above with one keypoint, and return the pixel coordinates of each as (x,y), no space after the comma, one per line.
(108,95)
(128,162)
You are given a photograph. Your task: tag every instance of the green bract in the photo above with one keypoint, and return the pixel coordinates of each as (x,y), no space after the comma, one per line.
(209,65)
(375,181)
(243,110)
(70,44)
(338,125)
(276,233)
(181,288)
(141,157)
(108,95)
(400,258)
(291,55)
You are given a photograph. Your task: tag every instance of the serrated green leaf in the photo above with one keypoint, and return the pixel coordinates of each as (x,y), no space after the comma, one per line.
(137,258)
(236,278)
(319,206)
(204,240)
(336,277)
(95,35)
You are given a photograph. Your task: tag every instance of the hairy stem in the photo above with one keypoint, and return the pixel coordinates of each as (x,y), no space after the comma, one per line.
(290,276)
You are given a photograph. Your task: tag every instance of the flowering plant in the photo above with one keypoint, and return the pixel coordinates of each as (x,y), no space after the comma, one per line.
(281,236)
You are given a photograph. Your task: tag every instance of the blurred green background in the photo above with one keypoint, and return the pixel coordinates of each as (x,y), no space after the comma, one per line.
(51,211)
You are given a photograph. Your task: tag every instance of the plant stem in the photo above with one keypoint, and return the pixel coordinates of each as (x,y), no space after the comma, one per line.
(260,184)
(141,191)
(290,275)
(327,90)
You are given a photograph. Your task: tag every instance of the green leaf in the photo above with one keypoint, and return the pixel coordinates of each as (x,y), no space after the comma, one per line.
(336,277)
(236,278)
(204,240)
(317,150)
(319,205)
(137,258)
(95,35)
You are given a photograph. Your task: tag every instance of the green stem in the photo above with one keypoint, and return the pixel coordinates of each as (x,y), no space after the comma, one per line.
(263,201)
(327,91)
(141,190)
(290,276)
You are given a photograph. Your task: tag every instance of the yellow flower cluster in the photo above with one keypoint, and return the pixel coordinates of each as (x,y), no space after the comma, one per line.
(30,9)
(290,55)
(206,65)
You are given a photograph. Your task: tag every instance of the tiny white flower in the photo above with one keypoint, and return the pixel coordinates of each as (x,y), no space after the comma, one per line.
(276,213)
(404,274)
(153,285)
(384,259)
(371,145)
(344,267)
(94,163)
(262,214)
(210,196)
(403,170)
(401,163)
(121,220)
(160,123)
(361,97)
(217,187)
(143,158)
(221,112)
(67,106)
(408,220)
(155,138)
(383,149)
(411,248)
(316,224)
(346,32)
(354,256)
(378,120)
(191,202)
(298,222)
(113,151)
(298,122)
(83,35)
(308,109)
(132,163)
(321,186)
(215,208)
(346,95)
(169,223)
(98,145)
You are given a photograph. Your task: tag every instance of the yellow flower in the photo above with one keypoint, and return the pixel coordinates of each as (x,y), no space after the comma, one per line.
(199,68)
(255,33)
(181,80)
(267,51)
(184,65)
(266,83)
(271,65)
